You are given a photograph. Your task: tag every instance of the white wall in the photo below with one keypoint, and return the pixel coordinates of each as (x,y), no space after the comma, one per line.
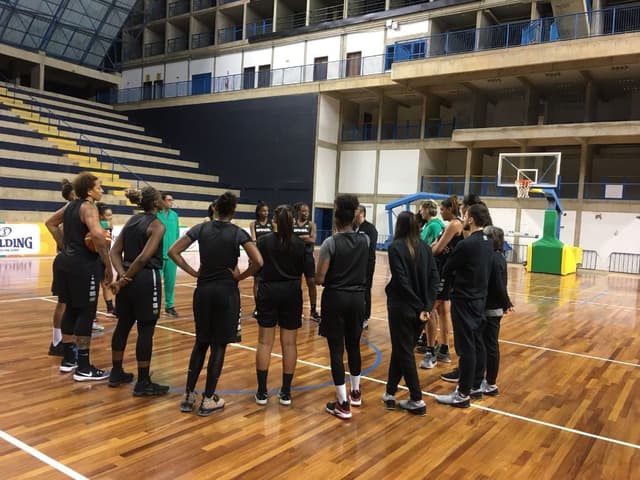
(505,218)
(228,64)
(613,232)
(255,58)
(325,47)
(369,43)
(357,171)
(329,120)
(203,65)
(177,72)
(153,72)
(131,78)
(399,172)
(415,30)
(288,55)
(325,181)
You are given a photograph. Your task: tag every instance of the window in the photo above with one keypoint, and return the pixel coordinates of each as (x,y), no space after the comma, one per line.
(264,76)
(320,68)
(249,78)
(354,64)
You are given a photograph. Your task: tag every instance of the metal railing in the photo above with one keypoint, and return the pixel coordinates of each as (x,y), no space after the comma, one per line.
(326,14)
(290,22)
(177,44)
(202,4)
(400,131)
(359,132)
(153,48)
(364,7)
(156,12)
(199,40)
(515,252)
(54,121)
(589,260)
(259,28)
(178,8)
(229,34)
(621,262)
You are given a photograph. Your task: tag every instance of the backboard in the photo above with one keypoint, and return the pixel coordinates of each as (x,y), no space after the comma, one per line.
(541,169)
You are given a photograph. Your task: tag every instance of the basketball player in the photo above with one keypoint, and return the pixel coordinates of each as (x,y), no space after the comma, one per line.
(79,271)
(280,301)
(449,238)
(259,227)
(138,289)
(106,222)
(168,216)
(411,294)
(362,225)
(216,300)
(342,269)
(305,229)
(55,348)
(471,261)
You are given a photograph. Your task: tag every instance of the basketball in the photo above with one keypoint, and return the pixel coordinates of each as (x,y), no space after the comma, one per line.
(88,241)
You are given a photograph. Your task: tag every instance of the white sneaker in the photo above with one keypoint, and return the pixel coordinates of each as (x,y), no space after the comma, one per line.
(455,399)
(94,374)
(411,406)
(96,327)
(429,361)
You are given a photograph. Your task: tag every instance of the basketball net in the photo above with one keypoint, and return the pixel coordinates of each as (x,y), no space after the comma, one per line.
(522,185)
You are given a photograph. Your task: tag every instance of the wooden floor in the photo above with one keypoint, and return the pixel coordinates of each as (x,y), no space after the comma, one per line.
(569,405)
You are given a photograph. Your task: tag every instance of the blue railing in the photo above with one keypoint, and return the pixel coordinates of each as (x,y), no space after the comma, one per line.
(199,40)
(230,34)
(402,131)
(259,28)
(359,132)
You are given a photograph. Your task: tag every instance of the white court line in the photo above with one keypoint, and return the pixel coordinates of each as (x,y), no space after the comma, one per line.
(582,355)
(41,456)
(25,299)
(473,405)
(578,302)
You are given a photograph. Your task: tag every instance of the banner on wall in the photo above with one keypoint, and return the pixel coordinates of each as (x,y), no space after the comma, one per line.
(19,239)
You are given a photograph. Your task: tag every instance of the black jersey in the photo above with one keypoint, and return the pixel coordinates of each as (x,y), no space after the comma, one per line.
(283,265)
(348,254)
(441,258)
(301,230)
(134,238)
(262,229)
(74,232)
(219,244)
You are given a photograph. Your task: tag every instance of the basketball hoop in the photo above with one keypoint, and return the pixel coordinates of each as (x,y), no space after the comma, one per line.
(523,185)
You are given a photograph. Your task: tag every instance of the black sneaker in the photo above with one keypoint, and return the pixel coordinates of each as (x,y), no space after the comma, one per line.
(119,377)
(66,367)
(421,349)
(389,401)
(92,375)
(262,398)
(315,316)
(340,410)
(422,341)
(56,350)
(171,311)
(149,389)
(285,398)
(188,402)
(453,376)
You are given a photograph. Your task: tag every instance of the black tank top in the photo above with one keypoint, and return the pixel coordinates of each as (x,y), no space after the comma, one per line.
(300,230)
(444,255)
(134,238)
(348,265)
(74,231)
(262,229)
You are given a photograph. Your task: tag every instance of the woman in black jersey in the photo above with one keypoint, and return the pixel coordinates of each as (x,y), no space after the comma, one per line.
(411,294)
(305,230)
(280,301)
(441,249)
(259,227)
(138,289)
(342,269)
(78,272)
(106,221)
(216,300)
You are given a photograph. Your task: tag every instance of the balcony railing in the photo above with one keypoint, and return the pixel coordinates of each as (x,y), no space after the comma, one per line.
(326,14)
(259,28)
(199,40)
(153,48)
(178,8)
(362,132)
(177,44)
(290,22)
(155,12)
(364,7)
(231,34)
(202,4)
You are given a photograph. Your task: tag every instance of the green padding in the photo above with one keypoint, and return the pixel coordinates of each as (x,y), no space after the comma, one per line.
(546,258)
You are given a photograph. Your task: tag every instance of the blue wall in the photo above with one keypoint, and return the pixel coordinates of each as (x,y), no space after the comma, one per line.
(263,146)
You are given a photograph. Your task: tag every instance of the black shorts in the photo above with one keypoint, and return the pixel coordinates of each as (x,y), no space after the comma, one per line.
(280,303)
(216,311)
(76,280)
(140,300)
(342,313)
(444,289)
(309,263)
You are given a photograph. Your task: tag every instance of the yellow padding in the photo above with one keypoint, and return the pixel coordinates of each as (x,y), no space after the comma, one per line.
(571,256)
(529,257)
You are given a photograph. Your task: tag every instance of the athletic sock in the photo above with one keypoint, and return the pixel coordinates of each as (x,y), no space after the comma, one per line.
(313,308)
(83,360)
(143,374)
(69,354)
(262,380)
(109,305)
(286,382)
(355,382)
(341,391)
(56,336)
(117,365)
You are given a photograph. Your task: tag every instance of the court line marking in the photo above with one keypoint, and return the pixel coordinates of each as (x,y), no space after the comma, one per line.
(473,405)
(41,456)
(577,302)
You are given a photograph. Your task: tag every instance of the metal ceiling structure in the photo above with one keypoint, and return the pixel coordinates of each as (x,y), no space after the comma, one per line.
(83,32)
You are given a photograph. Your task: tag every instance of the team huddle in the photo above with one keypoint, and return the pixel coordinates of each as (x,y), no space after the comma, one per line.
(439,274)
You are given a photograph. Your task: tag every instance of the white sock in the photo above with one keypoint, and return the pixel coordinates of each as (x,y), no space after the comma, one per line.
(355,382)
(56,337)
(341,391)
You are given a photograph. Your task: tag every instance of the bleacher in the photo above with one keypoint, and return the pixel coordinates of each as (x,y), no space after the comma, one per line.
(45,137)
